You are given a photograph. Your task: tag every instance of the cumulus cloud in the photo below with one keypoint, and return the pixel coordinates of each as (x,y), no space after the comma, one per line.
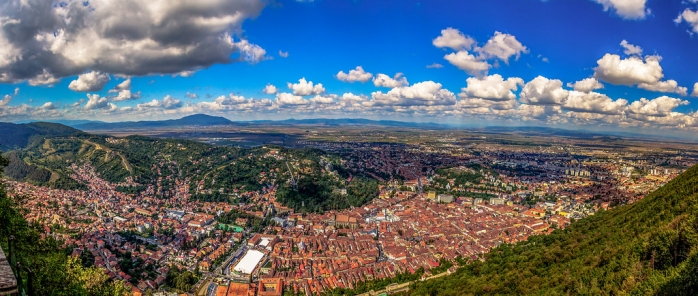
(43,78)
(192,96)
(269,89)
(427,93)
(630,49)
(351,102)
(502,46)
(468,63)
(48,106)
(690,17)
(695,90)
(16,91)
(231,103)
(357,74)
(543,91)
(669,86)
(124,85)
(286,99)
(385,81)
(92,81)
(126,95)
(454,39)
(630,71)
(43,41)
(322,100)
(586,85)
(593,102)
(167,103)
(492,87)
(627,9)
(306,88)
(249,52)
(658,107)
(96,102)
(283,54)
(5,100)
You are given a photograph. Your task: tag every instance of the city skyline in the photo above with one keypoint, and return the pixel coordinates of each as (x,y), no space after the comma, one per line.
(585,64)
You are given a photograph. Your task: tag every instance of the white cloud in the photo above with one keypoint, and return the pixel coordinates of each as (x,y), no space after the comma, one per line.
(92,81)
(357,74)
(249,52)
(16,91)
(586,85)
(124,85)
(131,37)
(435,66)
(427,93)
(167,103)
(269,89)
(283,54)
(192,96)
(695,90)
(126,95)
(322,100)
(502,46)
(669,86)
(230,100)
(286,99)
(543,91)
(690,17)
(627,9)
(48,106)
(630,49)
(468,63)
(630,71)
(184,74)
(385,80)
(231,103)
(454,39)
(306,88)
(43,78)
(593,102)
(492,87)
(5,100)
(96,102)
(658,107)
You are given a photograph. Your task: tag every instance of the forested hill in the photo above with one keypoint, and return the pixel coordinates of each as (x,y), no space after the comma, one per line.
(13,136)
(650,247)
(209,173)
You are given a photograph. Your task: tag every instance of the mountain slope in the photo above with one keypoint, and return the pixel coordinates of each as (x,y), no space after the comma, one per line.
(650,247)
(191,120)
(22,135)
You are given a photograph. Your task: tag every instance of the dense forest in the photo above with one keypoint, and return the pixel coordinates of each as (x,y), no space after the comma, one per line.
(649,247)
(55,273)
(18,136)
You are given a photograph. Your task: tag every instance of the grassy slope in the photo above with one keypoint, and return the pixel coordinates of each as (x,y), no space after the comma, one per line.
(639,249)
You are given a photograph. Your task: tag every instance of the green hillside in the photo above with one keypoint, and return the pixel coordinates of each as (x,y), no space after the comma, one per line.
(650,247)
(212,173)
(16,136)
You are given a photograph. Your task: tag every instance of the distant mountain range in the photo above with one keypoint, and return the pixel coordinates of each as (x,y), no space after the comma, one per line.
(208,120)
(191,120)
(204,120)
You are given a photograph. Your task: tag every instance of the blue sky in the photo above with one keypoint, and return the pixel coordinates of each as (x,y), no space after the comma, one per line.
(216,57)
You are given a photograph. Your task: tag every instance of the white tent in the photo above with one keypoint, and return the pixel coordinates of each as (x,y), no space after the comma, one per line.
(248,263)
